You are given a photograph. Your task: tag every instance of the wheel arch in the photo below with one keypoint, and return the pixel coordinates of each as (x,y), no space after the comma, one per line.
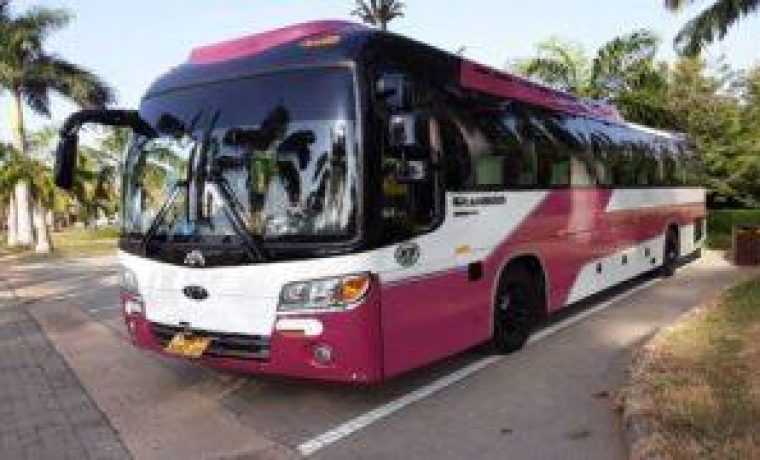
(536,265)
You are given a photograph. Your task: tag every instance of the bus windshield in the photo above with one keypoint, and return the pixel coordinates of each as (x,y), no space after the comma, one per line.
(266,158)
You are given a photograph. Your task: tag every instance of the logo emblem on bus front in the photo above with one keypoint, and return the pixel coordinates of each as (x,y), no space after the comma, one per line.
(195,259)
(407,254)
(195,293)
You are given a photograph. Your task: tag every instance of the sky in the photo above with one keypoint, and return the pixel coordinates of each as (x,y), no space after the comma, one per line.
(130,43)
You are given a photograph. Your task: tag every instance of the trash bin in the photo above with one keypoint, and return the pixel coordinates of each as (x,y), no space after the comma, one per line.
(746,244)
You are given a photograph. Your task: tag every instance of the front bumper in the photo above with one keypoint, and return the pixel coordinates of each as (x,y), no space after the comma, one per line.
(353,336)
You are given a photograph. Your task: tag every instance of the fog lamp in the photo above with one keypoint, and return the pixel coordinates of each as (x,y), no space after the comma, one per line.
(323,354)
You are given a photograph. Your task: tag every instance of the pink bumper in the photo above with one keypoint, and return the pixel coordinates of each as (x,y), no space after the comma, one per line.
(354,337)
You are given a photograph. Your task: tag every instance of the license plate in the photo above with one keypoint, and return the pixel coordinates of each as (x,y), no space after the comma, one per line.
(189,347)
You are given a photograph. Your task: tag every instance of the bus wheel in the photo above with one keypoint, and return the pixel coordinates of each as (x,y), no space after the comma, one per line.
(670,254)
(514,313)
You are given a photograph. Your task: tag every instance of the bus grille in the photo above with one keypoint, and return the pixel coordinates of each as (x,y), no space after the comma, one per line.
(222,345)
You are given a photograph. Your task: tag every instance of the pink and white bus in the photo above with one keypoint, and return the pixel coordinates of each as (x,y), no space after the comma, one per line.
(333,202)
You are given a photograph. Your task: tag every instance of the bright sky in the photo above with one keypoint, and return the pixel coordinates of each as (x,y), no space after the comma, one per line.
(129,43)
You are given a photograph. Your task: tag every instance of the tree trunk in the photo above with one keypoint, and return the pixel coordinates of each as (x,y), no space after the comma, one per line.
(51,221)
(23,199)
(24,228)
(44,245)
(12,222)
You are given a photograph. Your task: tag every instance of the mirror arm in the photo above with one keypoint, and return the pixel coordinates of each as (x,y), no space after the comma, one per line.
(125,118)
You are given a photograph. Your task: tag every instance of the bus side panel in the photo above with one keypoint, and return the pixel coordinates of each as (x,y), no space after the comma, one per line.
(426,319)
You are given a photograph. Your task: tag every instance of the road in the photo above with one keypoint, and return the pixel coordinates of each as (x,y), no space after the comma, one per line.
(552,400)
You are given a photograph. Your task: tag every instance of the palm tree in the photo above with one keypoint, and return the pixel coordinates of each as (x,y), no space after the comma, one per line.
(622,63)
(623,71)
(379,12)
(30,75)
(559,64)
(7,190)
(15,168)
(710,24)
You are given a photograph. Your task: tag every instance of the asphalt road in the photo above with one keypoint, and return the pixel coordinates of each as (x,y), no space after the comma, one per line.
(552,400)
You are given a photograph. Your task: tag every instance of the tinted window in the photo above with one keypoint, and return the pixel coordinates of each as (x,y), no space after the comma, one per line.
(553,155)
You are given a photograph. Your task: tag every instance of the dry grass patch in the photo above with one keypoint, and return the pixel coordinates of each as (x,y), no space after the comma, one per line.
(698,383)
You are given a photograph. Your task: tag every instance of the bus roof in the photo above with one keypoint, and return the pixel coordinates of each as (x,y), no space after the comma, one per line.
(344,40)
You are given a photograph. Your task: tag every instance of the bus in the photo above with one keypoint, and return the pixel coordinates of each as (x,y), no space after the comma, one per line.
(328,201)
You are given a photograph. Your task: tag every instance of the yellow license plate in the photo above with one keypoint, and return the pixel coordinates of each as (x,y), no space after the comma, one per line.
(189,347)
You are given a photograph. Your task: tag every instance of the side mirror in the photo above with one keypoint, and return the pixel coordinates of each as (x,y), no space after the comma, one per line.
(66,160)
(66,152)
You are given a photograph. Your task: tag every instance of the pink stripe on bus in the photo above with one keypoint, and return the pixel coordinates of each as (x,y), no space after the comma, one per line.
(258,43)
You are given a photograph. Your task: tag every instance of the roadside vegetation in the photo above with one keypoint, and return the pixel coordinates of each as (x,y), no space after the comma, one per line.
(69,243)
(720,224)
(698,383)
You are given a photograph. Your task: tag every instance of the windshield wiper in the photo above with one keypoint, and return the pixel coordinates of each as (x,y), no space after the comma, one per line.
(162,214)
(253,247)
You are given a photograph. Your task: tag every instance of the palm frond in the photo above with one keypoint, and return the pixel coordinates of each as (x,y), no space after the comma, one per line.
(72,81)
(550,71)
(378,12)
(712,24)
(677,5)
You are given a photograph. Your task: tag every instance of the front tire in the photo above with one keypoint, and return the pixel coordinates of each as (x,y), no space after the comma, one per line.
(517,301)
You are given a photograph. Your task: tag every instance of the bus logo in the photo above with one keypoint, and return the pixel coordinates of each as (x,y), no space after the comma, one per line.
(195,259)
(407,254)
(195,293)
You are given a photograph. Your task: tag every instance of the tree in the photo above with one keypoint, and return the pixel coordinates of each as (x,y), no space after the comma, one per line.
(560,64)
(16,168)
(712,106)
(30,75)
(623,71)
(710,24)
(378,12)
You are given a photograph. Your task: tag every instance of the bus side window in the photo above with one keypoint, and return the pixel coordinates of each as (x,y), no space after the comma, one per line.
(409,207)
(553,169)
(500,158)
(455,155)
(670,170)
(648,168)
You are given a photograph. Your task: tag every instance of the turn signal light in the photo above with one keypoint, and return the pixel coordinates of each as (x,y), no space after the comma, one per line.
(353,288)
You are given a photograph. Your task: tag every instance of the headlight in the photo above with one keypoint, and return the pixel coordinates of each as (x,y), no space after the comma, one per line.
(338,292)
(128,281)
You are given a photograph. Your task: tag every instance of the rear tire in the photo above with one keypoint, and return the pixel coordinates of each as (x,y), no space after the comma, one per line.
(517,301)
(670,254)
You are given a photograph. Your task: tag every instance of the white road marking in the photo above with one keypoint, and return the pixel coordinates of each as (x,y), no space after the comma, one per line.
(362,421)
(107,308)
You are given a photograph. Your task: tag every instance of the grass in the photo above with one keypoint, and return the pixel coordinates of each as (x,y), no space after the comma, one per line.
(720,223)
(72,242)
(699,382)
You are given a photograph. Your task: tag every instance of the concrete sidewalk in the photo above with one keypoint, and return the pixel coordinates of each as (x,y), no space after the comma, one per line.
(45,411)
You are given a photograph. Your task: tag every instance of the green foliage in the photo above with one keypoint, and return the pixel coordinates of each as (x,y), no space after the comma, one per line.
(15,167)
(378,12)
(718,108)
(623,71)
(560,64)
(711,24)
(29,72)
(720,224)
